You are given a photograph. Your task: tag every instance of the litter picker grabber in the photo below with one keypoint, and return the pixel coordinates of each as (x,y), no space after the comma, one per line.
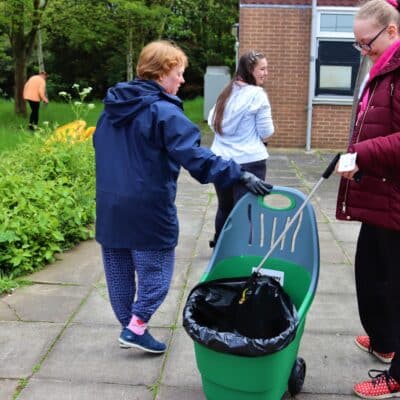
(249,285)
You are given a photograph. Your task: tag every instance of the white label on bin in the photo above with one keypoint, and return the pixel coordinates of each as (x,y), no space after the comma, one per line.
(277,275)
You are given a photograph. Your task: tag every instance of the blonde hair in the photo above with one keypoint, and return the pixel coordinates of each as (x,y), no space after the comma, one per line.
(159,58)
(381,11)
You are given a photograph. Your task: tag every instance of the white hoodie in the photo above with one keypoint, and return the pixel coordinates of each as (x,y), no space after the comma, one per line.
(246,123)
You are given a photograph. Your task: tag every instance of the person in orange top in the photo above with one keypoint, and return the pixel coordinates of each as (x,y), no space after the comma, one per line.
(34,92)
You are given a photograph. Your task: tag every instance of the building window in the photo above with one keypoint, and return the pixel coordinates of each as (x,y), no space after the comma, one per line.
(337,61)
(337,66)
(336,22)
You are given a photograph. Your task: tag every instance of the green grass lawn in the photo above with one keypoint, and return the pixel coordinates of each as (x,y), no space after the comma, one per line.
(14,129)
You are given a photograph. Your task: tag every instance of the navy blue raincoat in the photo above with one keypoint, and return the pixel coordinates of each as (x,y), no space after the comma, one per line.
(141,140)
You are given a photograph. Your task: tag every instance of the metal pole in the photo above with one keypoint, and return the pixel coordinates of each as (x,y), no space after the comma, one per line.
(311,79)
(235,33)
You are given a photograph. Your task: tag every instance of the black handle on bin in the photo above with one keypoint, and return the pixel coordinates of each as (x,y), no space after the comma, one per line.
(331,167)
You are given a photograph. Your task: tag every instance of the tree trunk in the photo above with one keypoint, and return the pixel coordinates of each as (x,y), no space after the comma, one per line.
(22,41)
(40,51)
(129,56)
(19,79)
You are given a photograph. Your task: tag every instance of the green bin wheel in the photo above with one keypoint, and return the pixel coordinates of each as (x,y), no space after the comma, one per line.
(296,379)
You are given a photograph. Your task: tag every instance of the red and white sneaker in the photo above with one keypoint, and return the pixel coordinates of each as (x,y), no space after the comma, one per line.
(364,343)
(380,386)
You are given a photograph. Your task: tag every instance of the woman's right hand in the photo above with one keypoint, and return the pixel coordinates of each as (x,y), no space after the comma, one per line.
(255,185)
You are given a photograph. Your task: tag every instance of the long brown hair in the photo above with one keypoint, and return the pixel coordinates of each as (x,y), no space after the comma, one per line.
(244,73)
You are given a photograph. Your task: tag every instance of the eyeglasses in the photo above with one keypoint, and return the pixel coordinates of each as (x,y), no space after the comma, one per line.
(367,46)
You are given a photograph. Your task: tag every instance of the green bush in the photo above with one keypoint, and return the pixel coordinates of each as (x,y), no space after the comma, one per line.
(47,202)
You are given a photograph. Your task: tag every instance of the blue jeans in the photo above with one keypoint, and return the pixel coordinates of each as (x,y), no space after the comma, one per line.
(145,274)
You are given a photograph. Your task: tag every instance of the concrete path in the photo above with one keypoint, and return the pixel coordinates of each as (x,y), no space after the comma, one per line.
(58,337)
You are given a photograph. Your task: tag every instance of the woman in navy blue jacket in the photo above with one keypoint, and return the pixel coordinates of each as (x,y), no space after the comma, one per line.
(141,140)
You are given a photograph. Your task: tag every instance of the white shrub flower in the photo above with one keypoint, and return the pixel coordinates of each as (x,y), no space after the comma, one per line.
(78,107)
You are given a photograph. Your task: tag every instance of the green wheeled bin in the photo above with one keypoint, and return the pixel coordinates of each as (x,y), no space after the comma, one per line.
(251,230)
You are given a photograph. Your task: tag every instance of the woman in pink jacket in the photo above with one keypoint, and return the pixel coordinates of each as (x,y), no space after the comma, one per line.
(34,92)
(370,192)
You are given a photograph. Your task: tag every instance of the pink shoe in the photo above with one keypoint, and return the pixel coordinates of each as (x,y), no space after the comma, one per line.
(364,343)
(381,386)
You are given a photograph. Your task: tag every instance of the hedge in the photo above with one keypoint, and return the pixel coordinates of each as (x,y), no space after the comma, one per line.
(47,202)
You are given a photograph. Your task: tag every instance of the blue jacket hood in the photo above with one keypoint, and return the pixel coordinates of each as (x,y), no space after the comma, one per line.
(124,101)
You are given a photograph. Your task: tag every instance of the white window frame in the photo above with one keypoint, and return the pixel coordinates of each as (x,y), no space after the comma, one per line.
(332,36)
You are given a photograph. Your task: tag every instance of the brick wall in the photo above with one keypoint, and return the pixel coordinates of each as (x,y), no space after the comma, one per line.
(335,3)
(330,126)
(283,34)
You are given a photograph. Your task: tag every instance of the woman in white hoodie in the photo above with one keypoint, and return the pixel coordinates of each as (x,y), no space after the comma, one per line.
(242,123)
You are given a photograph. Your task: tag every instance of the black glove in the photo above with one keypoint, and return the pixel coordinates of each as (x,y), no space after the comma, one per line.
(254,184)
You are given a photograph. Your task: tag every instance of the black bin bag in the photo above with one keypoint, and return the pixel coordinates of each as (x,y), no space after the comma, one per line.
(216,316)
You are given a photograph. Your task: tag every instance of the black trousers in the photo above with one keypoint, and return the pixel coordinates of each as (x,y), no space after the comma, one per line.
(34,117)
(228,197)
(377,273)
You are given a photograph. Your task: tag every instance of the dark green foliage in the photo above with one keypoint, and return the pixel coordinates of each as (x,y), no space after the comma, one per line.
(47,202)
(87,41)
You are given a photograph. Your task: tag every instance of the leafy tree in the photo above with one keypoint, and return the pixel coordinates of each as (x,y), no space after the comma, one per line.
(102,49)
(203,29)
(5,67)
(96,42)
(20,21)
(141,22)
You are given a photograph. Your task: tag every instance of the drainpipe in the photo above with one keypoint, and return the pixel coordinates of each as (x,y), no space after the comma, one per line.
(311,79)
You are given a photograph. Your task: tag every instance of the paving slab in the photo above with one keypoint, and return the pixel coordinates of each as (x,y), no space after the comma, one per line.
(31,303)
(334,363)
(82,265)
(39,389)
(346,231)
(180,369)
(319,396)
(328,315)
(175,393)
(336,279)
(86,353)
(180,274)
(193,223)
(331,252)
(185,248)
(97,308)
(349,250)
(166,315)
(27,341)
(6,312)
(7,388)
